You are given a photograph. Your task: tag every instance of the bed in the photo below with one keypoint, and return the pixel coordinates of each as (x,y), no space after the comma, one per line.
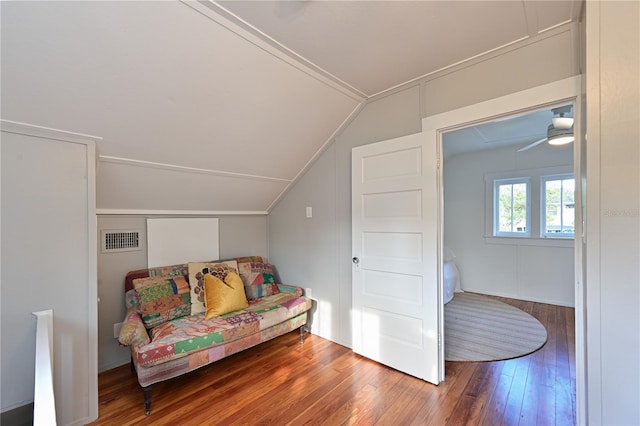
(451,275)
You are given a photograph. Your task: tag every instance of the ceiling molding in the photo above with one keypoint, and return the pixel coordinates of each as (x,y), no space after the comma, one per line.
(45,132)
(454,65)
(492,53)
(173,167)
(241,28)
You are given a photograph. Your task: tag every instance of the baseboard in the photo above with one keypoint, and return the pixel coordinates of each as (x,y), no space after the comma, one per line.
(112,365)
(21,416)
(518,297)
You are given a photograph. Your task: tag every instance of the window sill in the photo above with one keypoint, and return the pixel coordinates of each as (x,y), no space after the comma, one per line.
(531,241)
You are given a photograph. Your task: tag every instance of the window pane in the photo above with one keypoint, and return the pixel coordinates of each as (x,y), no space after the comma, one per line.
(520,207)
(559,207)
(506,221)
(512,208)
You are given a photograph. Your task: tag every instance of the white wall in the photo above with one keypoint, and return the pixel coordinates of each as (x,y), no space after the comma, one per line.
(613,212)
(49,262)
(328,182)
(530,269)
(239,236)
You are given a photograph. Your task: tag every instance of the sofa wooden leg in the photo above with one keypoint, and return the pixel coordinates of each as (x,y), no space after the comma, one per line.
(302,334)
(147,400)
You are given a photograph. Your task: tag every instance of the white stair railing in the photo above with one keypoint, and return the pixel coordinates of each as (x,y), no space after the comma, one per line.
(44,403)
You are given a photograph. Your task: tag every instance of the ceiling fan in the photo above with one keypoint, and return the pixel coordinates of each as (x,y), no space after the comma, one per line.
(559,132)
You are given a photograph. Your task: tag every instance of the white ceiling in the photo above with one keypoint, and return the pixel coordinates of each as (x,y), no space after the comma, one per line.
(516,131)
(197,103)
(356,41)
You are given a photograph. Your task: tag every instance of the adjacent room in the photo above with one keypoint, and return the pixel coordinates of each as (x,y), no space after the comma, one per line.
(509,220)
(484,162)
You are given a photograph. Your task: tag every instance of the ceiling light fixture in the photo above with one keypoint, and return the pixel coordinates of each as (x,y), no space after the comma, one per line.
(560,131)
(557,136)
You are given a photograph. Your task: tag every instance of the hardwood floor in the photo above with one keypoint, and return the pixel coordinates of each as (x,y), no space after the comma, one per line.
(319,382)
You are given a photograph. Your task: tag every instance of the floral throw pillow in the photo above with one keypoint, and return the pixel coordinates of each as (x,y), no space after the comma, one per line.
(197,271)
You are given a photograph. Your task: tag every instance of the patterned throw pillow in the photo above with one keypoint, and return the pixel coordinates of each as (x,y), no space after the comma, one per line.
(258,278)
(223,296)
(197,271)
(246,259)
(133,332)
(162,299)
(172,271)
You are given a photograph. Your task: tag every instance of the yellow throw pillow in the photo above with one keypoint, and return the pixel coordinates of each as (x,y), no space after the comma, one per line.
(223,297)
(197,271)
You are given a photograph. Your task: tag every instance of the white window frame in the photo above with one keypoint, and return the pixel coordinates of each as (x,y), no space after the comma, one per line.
(543,203)
(496,207)
(534,238)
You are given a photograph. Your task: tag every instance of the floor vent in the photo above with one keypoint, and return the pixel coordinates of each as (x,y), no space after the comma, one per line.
(117,241)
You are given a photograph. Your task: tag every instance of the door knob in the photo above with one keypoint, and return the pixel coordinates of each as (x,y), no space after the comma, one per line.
(356,260)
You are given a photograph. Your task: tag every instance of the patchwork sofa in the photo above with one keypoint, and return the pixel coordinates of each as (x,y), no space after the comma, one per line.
(183,317)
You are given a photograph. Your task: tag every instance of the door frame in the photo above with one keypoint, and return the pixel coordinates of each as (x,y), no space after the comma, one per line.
(567,90)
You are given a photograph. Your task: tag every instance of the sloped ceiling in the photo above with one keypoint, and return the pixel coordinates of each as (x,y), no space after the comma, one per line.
(373,46)
(219,107)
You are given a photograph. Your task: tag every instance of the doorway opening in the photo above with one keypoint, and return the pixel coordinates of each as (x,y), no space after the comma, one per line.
(509,209)
(545,97)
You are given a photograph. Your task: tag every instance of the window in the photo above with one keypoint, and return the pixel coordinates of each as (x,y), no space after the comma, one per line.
(557,216)
(511,207)
(530,206)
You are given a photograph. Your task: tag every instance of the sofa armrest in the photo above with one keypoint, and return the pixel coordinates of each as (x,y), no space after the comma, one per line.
(284,288)
(133,333)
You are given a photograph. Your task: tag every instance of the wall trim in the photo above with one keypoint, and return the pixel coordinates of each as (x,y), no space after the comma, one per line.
(141,212)
(590,393)
(174,167)
(111,365)
(45,132)
(479,58)
(557,92)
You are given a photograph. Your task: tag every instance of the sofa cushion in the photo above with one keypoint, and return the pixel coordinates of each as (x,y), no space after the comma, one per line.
(182,336)
(258,278)
(197,271)
(162,299)
(222,297)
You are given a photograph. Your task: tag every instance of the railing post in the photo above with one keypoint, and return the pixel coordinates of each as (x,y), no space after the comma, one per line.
(44,403)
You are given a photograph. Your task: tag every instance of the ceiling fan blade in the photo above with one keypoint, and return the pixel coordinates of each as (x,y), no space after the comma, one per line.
(531,145)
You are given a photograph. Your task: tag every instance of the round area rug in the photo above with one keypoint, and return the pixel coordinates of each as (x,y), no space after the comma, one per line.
(477,328)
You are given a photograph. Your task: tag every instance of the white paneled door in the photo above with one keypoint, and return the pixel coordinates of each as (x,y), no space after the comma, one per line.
(396,307)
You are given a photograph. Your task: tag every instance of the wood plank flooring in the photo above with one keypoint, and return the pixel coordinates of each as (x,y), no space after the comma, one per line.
(322,383)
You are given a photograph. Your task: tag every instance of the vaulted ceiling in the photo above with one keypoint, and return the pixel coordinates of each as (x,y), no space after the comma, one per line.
(220,106)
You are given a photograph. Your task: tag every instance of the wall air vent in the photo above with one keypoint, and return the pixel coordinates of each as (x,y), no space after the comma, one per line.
(118,241)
